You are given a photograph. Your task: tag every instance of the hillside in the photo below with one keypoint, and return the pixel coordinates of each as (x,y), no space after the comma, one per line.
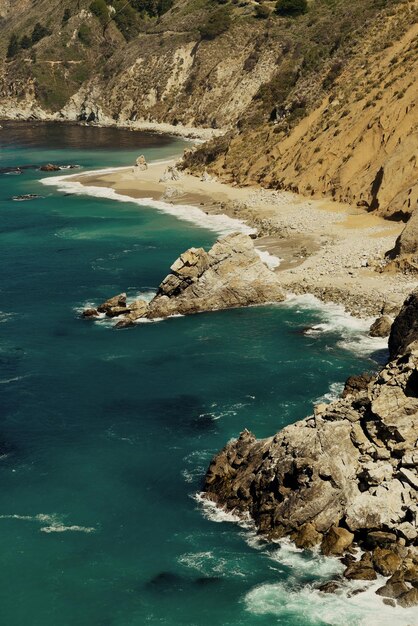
(323,103)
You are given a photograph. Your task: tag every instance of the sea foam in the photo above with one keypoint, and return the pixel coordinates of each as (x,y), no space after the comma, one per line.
(220,224)
(336,320)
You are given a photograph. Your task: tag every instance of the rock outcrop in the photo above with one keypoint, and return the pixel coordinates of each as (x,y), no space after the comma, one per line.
(231,274)
(405,327)
(348,472)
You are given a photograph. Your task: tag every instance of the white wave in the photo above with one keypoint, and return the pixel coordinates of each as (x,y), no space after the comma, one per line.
(221,224)
(268,259)
(361,609)
(209,563)
(6,381)
(303,563)
(60,528)
(53,521)
(334,392)
(335,319)
(215,514)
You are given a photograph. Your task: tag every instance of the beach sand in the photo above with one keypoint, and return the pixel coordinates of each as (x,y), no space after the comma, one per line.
(331,250)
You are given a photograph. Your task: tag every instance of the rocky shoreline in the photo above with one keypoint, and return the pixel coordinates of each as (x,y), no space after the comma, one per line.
(344,479)
(231,274)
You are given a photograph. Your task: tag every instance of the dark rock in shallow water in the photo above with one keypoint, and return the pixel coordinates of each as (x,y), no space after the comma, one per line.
(166,582)
(49,167)
(408,599)
(26,196)
(329,587)
(88,313)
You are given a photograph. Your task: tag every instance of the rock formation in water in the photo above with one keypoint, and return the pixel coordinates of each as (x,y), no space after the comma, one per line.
(348,473)
(231,274)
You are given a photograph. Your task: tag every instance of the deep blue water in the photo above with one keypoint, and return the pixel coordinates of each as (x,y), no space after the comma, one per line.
(107,434)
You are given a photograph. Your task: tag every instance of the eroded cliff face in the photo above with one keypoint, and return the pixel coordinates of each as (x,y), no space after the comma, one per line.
(359,145)
(324,104)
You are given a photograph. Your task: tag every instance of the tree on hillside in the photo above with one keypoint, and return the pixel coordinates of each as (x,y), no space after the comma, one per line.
(66,16)
(13,47)
(291,7)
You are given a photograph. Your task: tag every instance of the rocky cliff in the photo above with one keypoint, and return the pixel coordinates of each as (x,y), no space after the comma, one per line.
(323,103)
(347,474)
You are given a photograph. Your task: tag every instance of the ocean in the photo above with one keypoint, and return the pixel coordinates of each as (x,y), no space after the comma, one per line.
(106,435)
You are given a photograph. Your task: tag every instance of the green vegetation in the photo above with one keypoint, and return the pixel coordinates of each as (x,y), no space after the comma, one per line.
(84,35)
(262,11)
(100,9)
(39,32)
(25,42)
(66,16)
(126,19)
(13,47)
(217,23)
(291,7)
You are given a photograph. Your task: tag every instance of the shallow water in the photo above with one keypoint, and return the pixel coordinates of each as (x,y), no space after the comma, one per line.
(107,434)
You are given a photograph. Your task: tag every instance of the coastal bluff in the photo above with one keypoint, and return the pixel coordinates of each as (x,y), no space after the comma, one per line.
(231,274)
(342,478)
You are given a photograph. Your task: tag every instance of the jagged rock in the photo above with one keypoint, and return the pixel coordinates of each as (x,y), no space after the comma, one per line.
(405,327)
(49,167)
(230,275)
(392,589)
(329,587)
(90,313)
(358,570)
(385,561)
(137,310)
(171,173)
(307,536)
(336,541)
(117,302)
(408,599)
(352,464)
(356,384)
(141,163)
(381,327)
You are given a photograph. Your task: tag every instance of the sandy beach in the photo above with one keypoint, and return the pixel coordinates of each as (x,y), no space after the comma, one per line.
(331,250)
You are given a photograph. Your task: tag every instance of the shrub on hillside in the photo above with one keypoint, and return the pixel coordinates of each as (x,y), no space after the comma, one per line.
(261,11)
(13,47)
(84,34)
(66,16)
(25,42)
(217,23)
(291,7)
(39,32)
(100,10)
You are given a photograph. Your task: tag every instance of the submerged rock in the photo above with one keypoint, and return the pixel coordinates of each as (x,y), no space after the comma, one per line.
(50,167)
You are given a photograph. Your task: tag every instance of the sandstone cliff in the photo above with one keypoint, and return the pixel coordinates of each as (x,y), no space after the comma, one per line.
(324,103)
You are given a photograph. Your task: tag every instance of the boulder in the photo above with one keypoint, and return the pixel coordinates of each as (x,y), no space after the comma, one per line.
(381,327)
(141,164)
(49,167)
(137,310)
(171,173)
(116,302)
(336,541)
(385,561)
(408,599)
(392,589)
(356,384)
(307,536)
(90,313)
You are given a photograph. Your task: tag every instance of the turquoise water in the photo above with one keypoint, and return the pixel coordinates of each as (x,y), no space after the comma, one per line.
(106,434)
